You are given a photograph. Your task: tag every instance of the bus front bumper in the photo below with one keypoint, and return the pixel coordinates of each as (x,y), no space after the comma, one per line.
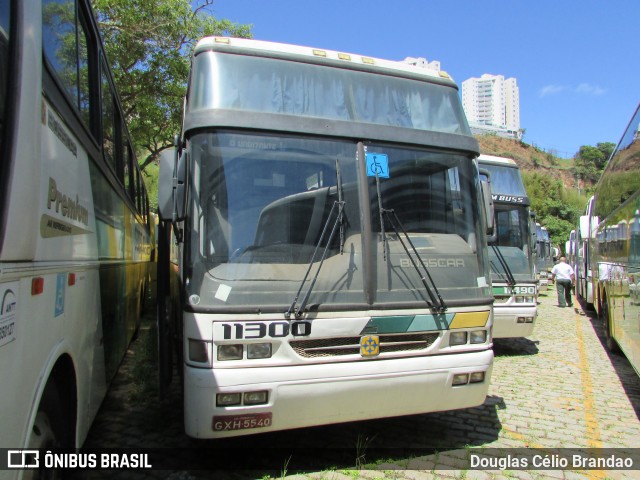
(321,394)
(513,321)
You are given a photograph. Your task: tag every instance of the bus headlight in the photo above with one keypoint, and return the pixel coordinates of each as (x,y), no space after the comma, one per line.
(259,350)
(478,336)
(460,379)
(457,338)
(229,352)
(524,299)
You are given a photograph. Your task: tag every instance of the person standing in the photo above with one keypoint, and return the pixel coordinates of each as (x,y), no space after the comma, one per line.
(565,280)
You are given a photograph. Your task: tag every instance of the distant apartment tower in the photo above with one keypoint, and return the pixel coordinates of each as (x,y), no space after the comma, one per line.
(492,103)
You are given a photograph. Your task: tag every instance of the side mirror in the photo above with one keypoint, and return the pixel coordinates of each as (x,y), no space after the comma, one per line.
(180,185)
(489,211)
(165,184)
(172,185)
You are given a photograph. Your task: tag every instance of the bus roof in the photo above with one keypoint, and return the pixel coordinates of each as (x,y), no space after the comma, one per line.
(320,56)
(491,159)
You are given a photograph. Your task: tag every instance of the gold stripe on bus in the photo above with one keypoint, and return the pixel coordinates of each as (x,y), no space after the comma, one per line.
(470,319)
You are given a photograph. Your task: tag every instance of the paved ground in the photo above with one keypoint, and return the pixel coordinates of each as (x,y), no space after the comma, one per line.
(550,394)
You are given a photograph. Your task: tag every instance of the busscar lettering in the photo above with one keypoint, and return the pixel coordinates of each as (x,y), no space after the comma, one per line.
(65,205)
(435,263)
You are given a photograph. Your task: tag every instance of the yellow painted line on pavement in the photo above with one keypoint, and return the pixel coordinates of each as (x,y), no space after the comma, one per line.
(591,420)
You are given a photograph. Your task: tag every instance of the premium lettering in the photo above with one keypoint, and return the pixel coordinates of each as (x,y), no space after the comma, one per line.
(65,205)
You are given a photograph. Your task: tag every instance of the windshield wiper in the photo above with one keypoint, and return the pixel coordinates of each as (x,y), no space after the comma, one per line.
(436,304)
(300,310)
(511,281)
(340,203)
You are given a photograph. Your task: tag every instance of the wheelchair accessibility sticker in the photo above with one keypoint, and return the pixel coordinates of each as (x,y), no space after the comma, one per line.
(377,163)
(60,281)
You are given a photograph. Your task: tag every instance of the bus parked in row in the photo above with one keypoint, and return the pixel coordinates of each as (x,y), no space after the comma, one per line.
(332,229)
(75,238)
(584,242)
(615,245)
(514,283)
(544,259)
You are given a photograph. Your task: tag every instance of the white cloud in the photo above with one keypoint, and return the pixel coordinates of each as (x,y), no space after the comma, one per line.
(588,89)
(551,90)
(582,89)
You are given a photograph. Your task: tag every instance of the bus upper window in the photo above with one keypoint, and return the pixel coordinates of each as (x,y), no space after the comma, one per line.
(108,120)
(59,42)
(65,44)
(84,94)
(286,87)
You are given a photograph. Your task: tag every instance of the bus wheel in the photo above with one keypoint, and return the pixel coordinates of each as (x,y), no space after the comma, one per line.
(605,315)
(43,436)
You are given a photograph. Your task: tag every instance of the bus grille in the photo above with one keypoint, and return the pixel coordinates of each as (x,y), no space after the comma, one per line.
(331,347)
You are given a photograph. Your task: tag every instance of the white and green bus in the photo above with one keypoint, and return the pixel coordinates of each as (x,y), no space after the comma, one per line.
(615,245)
(75,239)
(333,263)
(511,251)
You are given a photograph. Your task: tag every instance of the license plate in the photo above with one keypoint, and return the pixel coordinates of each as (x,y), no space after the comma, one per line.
(223,423)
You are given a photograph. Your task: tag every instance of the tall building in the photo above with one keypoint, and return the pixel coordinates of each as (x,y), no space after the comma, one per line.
(492,103)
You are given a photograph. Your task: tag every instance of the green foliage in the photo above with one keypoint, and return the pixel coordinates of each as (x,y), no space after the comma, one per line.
(148,43)
(556,208)
(590,161)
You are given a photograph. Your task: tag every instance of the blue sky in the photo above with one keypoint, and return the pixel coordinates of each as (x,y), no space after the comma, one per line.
(577,63)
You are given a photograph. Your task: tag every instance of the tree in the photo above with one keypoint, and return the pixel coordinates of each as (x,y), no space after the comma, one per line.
(556,208)
(590,161)
(149,43)
(607,149)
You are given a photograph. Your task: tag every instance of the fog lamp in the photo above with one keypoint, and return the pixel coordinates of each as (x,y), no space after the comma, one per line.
(255,398)
(227,399)
(476,377)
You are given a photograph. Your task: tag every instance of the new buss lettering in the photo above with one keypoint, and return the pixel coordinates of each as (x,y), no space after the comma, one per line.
(260,330)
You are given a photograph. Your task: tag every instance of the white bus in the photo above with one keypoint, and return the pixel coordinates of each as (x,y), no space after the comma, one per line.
(615,253)
(514,282)
(585,238)
(333,260)
(75,241)
(544,260)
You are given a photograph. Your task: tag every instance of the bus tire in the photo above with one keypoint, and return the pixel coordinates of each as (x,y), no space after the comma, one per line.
(605,316)
(48,432)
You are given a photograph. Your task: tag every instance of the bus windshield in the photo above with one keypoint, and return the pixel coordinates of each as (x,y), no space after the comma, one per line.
(260,204)
(512,222)
(512,242)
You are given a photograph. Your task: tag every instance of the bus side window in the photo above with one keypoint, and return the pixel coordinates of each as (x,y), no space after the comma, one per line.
(66,47)
(4,62)
(108,119)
